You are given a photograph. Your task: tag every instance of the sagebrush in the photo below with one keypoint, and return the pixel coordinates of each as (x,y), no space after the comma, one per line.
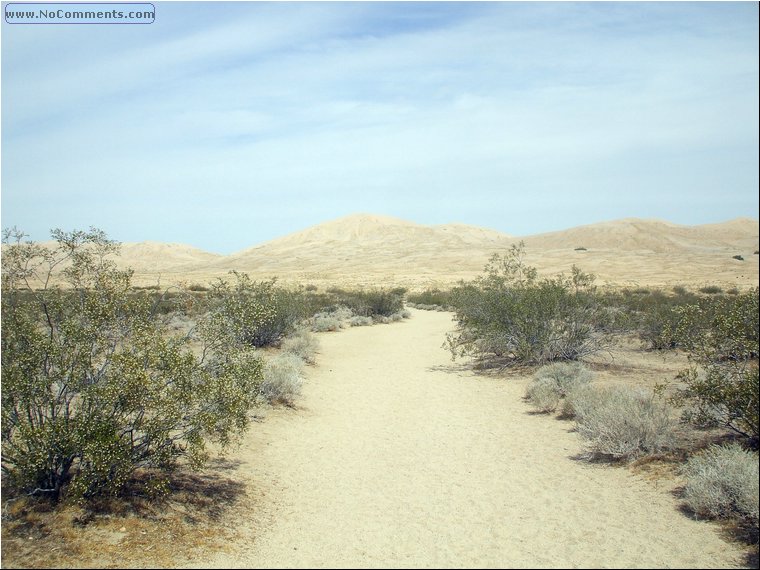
(621,422)
(554,382)
(723,482)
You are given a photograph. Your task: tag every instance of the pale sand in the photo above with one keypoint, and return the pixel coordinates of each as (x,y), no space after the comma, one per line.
(398,457)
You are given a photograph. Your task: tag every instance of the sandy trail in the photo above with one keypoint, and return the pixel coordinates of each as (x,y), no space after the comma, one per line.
(399,458)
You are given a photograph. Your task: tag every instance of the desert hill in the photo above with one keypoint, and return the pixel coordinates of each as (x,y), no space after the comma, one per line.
(368,250)
(654,236)
(156,256)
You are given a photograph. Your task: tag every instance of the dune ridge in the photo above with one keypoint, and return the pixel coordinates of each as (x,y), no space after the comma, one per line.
(368,249)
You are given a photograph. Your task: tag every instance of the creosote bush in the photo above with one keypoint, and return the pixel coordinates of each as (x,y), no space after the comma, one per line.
(512,317)
(555,382)
(255,313)
(94,386)
(723,482)
(430,299)
(721,386)
(372,302)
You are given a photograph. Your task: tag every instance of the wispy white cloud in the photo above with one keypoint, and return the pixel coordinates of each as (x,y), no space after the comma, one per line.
(523,117)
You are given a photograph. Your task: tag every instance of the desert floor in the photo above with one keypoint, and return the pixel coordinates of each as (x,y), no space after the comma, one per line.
(398,457)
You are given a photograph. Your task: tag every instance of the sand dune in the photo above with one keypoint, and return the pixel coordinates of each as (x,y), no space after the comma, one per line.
(653,236)
(157,256)
(368,250)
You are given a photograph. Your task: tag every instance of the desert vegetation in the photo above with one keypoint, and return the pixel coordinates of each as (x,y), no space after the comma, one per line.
(113,390)
(511,317)
(93,387)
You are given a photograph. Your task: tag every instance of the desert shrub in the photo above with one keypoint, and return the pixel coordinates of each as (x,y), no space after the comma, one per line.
(711,290)
(357,321)
(543,395)
(197,287)
(255,313)
(342,313)
(622,422)
(405,314)
(581,249)
(282,379)
(94,386)
(303,344)
(509,315)
(554,382)
(324,323)
(430,297)
(370,303)
(652,315)
(424,307)
(722,482)
(738,257)
(579,401)
(721,386)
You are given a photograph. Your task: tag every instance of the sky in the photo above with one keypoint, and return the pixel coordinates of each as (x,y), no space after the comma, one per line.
(226,124)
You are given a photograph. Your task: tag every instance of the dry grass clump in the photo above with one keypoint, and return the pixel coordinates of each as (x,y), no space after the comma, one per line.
(723,482)
(303,344)
(359,321)
(554,382)
(324,322)
(621,422)
(282,379)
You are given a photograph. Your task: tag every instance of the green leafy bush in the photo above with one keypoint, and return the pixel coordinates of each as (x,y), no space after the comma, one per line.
(370,303)
(430,297)
(255,313)
(94,387)
(723,482)
(721,386)
(652,315)
(511,316)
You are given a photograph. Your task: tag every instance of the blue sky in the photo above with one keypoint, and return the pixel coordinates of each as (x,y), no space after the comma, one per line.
(223,125)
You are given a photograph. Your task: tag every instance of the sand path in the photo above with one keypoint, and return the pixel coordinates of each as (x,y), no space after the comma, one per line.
(399,458)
